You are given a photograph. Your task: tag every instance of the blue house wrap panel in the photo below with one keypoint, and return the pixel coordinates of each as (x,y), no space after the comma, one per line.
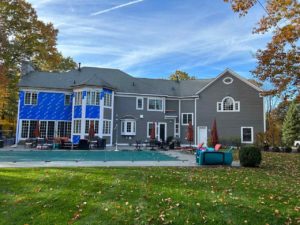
(50,106)
(92,112)
(76,139)
(77,111)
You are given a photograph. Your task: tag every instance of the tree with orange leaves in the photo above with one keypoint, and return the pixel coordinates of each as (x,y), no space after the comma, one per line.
(279,62)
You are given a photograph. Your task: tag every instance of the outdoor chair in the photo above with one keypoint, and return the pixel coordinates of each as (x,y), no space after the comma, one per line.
(138,145)
(83,144)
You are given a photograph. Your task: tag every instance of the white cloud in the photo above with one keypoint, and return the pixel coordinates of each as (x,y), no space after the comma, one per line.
(116,7)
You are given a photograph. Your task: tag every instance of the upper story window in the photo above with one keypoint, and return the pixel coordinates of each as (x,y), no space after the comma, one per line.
(227,80)
(92,98)
(128,127)
(108,99)
(139,103)
(228,104)
(155,104)
(78,98)
(31,98)
(186,118)
(67,99)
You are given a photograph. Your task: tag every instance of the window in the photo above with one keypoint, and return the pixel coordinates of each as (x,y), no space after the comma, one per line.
(67,99)
(88,124)
(228,104)
(187,118)
(92,98)
(30,98)
(78,98)
(247,135)
(28,127)
(227,80)
(77,126)
(155,104)
(64,129)
(106,127)
(47,129)
(107,99)
(139,103)
(177,129)
(128,127)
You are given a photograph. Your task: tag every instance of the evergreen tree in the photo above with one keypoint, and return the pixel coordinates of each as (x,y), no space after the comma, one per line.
(291,125)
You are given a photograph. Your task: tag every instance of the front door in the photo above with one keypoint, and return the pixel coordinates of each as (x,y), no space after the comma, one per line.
(162,131)
(202,135)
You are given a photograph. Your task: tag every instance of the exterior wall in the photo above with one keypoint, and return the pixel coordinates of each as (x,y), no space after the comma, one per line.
(50,106)
(92,112)
(186,106)
(229,123)
(126,107)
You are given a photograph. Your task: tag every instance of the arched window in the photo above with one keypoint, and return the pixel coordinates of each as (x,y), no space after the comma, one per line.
(228,104)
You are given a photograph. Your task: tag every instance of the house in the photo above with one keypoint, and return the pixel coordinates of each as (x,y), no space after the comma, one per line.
(124,108)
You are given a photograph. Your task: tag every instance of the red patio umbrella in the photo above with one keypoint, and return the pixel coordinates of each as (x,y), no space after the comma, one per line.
(214,134)
(152,133)
(92,130)
(36,131)
(190,133)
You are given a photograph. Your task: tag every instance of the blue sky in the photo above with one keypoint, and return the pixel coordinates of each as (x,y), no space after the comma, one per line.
(153,38)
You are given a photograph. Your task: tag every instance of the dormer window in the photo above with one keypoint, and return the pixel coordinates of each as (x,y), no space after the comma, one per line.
(228,104)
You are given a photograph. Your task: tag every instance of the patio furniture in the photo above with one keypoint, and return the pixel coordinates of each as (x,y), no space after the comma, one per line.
(83,144)
(138,145)
(216,148)
(101,143)
(31,143)
(68,145)
(214,157)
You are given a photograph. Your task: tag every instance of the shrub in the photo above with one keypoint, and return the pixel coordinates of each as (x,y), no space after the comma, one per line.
(298,149)
(250,156)
(287,149)
(276,149)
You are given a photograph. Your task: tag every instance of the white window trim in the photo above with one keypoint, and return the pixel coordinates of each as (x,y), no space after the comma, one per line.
(230,82)
(155,110)
(137,105)
(31,92)
(234,110)
(78,102)
(186,124)
(252,136)
(133,125)
(107,134)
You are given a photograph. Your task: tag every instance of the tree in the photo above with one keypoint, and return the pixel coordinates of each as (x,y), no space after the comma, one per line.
(291,125)
(180,75)
(24,37)
(278,63)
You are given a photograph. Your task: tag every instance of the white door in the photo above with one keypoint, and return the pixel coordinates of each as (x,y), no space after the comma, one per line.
(202,135)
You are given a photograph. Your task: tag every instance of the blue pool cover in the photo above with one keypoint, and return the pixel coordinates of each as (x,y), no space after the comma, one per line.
(26,156)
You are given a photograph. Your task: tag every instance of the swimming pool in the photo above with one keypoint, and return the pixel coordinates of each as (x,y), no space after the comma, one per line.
(27,156)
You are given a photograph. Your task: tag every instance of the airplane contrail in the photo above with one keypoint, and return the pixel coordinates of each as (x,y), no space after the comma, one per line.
(116,7)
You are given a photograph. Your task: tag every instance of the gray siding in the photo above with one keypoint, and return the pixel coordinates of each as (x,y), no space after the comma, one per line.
(126,107)
(107,113)
(229,123)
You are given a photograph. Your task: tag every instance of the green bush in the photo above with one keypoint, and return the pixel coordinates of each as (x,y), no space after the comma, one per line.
(250,156)
(287,149)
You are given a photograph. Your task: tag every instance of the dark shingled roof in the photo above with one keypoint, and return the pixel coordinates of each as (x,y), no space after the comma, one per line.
(111,78)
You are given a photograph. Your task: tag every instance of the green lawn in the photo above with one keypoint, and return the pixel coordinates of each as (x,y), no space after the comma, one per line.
(266,195)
